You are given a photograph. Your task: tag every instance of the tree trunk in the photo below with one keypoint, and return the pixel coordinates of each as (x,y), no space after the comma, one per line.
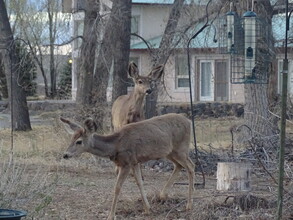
(256,110)
(122,49)
(164,52)
(234,176)
(257,116)
(113,54)
(52,31)
(17,98)
(87,54)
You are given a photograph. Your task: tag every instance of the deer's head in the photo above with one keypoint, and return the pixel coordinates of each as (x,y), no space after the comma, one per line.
(80,135)
(144,84)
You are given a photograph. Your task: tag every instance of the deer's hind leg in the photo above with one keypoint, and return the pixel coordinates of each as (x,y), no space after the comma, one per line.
(186,162)
(171,180)
(138,178)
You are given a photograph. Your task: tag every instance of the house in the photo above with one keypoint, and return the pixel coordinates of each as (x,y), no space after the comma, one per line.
(210,69)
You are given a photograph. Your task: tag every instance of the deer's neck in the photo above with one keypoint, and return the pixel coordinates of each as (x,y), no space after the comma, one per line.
(137,99)
(102,146)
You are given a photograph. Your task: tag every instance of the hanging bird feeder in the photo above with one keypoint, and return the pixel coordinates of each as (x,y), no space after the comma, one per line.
(248,40)
(230,31)
(249,19)
(252,54)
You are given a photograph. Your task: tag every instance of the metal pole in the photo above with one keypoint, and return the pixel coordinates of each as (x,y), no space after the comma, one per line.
(283,122)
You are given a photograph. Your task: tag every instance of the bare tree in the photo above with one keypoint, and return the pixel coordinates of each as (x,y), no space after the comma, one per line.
(87,53)
(41,26)
(17,97)
(112,55)
(164,51)
(122,22)
(256,109)
(51,7)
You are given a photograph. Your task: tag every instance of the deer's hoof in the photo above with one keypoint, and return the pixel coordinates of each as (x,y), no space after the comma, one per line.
(163,196)
(189,206)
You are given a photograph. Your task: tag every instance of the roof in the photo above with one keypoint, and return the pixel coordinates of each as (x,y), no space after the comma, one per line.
(278,24)
(152,1)
(168,2)
(205,39)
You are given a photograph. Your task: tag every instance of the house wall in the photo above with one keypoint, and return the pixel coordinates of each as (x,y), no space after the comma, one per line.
(153,19)
(168,93)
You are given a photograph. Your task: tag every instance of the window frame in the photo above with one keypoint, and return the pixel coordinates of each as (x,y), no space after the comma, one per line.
(180,76)
(212,81)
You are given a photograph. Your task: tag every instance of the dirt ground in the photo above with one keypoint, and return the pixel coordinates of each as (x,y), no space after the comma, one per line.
(49,187)
(84,190)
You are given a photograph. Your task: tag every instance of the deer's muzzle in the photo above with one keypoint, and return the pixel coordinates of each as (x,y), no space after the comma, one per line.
(149,91)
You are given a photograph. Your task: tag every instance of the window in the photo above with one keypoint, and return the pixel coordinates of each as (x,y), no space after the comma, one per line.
(181,71)
(206,81)
(135,20)
(79,5)
(221,80)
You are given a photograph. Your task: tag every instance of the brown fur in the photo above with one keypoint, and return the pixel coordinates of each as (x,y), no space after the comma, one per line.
(166,136)
(129,108)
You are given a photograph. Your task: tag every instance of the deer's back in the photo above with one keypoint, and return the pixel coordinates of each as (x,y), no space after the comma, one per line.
(157,137)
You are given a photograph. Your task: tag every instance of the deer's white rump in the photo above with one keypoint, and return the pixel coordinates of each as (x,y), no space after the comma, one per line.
(166,136)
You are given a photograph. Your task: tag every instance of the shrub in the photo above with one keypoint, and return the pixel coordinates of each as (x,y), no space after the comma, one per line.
(27,73)
(64,86)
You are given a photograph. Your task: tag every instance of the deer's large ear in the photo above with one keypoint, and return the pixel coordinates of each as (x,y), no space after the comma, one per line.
(157,72)
(133,70)
(73,126)
(90,125)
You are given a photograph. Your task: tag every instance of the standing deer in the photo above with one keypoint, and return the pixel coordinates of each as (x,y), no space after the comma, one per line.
(129,108)
(165,136)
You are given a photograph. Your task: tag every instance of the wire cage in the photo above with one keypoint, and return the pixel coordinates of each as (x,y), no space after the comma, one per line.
(249,42)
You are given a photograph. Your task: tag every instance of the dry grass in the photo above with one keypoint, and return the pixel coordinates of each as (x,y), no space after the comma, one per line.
(48,187)
(215,132)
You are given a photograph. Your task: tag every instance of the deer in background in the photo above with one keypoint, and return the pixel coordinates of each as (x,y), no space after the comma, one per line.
(129,108)
(166,136)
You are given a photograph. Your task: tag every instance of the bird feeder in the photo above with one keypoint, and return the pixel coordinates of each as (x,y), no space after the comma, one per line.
(249,44)
(248,40)
(230,31)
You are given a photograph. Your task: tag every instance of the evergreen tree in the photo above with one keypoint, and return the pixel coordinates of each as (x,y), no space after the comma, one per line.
(28,72)
(64,86)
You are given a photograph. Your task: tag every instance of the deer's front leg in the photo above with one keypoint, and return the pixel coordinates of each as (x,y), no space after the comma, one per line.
(139,182)
(122,174)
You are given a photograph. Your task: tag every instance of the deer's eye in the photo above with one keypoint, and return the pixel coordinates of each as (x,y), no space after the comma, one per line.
(140,81)
(78,142)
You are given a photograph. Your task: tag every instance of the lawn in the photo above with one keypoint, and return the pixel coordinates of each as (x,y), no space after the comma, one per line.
(49,187)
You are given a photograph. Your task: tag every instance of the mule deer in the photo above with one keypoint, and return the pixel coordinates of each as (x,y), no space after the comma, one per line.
(165,136)
(129,108)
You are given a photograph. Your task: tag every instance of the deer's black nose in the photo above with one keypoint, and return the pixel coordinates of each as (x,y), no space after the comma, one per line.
(149,91)
(65,156)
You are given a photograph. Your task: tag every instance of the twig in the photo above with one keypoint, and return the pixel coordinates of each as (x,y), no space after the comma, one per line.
(280,117)
(174,208)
